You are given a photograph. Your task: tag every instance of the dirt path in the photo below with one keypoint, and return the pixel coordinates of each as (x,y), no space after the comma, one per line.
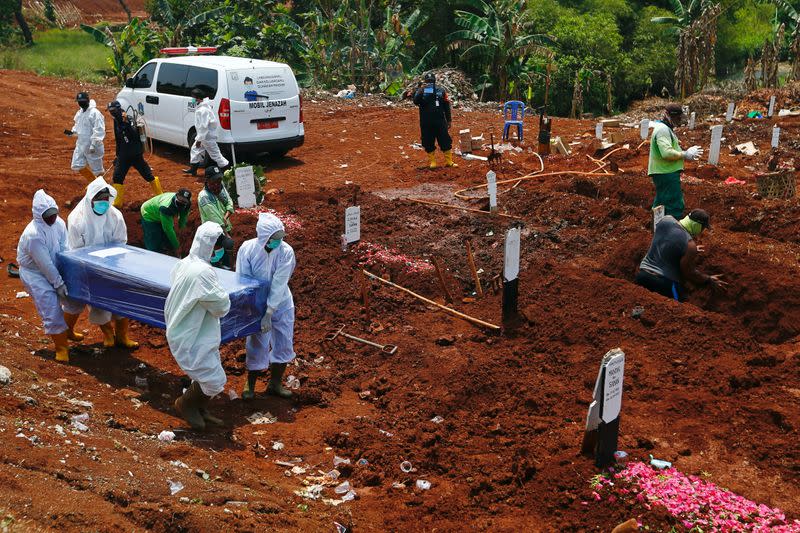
(713,385)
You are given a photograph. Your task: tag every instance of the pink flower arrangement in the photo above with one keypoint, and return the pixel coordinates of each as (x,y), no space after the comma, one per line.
(696,503)
(291,222)
(371,254)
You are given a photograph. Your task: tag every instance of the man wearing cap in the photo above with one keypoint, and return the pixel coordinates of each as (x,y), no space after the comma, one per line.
(158,220)
(130,153)
(666,161)
(672,257)
(216,205)
(90,127)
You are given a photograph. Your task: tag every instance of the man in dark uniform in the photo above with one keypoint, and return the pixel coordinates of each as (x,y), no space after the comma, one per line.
(434,120)
(130,153)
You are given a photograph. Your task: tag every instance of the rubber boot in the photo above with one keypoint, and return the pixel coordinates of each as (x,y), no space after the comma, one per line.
(432,159)
(208,417)
(71,320)
(121,334)
(120,188)
(108,335)
(62,346)
(87,173)
(192,170)
(276,375)
(249,391)
(156,186)
(188,406)
(448,159)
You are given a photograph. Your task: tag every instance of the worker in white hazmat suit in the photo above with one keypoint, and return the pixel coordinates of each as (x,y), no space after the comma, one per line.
(90,127)
(193,309)
(205,125)
(94,221)
(268,257)
(43,238)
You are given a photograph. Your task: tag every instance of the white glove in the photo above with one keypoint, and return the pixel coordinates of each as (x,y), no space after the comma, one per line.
(61,291)
(693,154)
(266,322)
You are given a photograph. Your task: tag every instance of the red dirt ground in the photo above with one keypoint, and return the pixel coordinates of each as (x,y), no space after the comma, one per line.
(712,385)
(108,10)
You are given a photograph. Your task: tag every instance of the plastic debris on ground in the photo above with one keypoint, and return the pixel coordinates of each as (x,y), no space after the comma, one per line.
(733,181)
(340,461)
(78,422)
(81,403)
(179,464)
(349,495)
(292,382)
(620,457)
(437,419)
(232,395)
(343,488)
(166,436)
(23,294)
(423,484)
(406,467)
(277,446)
(262,418)
(174,487)
(5,375)
(658,463)
(312,492)
(362,462)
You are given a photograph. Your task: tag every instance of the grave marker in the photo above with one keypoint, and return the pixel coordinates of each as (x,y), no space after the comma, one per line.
(716,140)
(352,224)
(245,186)
(491,181)
(692,119)
(511,273)
(729,113)
(602,420)
(776,133)
(771,110)
(598,130)
(644,128)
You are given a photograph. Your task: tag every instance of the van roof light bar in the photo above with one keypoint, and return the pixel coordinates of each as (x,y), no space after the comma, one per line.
(189,50)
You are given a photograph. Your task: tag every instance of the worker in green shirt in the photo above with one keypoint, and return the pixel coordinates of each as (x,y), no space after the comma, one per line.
(216,206)
(158,220)
(666,161)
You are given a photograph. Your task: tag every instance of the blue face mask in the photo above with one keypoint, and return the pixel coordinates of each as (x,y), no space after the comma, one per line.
(100,206)
(272,244)
(194,101)
(217,255)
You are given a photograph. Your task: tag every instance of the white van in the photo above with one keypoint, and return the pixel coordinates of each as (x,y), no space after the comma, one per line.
(258,102)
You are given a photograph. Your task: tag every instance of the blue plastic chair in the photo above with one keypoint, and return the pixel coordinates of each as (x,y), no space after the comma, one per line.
(515,109)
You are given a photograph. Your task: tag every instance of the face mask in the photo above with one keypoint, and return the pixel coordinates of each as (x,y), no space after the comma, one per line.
(84,105)
(194,101)
(217,255)
(694,228)
(50,220)
(100,206)
(272,244)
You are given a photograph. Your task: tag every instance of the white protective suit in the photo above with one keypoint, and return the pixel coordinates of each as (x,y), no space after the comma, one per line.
(87,228)
(205,124)
(90,127)
(36,257)
(277,266)
(192,311)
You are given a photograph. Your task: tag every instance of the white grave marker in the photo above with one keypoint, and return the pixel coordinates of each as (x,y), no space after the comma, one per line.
(511,259)
(716,140)
(729,113)
(602,419)
(612,387)
(491,181)
(776,133)
(771,106)
(352,224)
(598,130)
(658,214)
(692,119)
(644,128)
(245,186)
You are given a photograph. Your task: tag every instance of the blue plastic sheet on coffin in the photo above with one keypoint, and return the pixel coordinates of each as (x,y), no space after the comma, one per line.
(134,283)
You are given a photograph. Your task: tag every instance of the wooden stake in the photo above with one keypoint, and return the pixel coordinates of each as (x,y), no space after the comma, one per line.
(471,262)
(440,274)
(449,310)
(364,291)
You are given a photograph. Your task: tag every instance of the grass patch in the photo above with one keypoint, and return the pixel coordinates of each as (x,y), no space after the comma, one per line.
(64,53)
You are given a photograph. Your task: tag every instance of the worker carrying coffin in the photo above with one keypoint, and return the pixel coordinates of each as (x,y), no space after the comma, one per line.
(672,257)
(434,120)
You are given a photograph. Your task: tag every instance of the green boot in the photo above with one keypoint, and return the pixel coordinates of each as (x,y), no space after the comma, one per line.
(249,391)
(276,375)
(188,406)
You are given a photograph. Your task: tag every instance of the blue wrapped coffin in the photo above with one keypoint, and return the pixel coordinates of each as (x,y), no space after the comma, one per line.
(134,283)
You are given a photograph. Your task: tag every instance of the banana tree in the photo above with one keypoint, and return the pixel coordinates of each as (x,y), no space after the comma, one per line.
(136,44)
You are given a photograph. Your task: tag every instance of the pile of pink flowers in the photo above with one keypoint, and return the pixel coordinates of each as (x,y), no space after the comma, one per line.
(693,501)
(373,254)
(291,222)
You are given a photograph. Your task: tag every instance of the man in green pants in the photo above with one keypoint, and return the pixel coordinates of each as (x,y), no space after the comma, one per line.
(158,220)
(666,161)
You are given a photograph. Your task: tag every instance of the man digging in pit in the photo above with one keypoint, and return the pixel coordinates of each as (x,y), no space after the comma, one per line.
(671,259)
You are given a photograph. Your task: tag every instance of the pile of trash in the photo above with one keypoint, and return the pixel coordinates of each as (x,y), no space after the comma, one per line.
(452,80)
(707,104)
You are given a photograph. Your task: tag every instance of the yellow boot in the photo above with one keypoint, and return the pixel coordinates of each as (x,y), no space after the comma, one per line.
(87,173)
(432,159)
(121,334)
(120,188)
(108,334)
(448,159)
(156,186)
(62,346)
(71,320)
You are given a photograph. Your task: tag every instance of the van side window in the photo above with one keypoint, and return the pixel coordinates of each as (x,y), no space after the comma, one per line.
(172,79)
(202,78)
(144,78)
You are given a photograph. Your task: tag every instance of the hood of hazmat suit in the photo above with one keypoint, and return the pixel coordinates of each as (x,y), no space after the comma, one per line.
(192,311)
(87,228)
(36,256)
(275,267)
(205,121)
